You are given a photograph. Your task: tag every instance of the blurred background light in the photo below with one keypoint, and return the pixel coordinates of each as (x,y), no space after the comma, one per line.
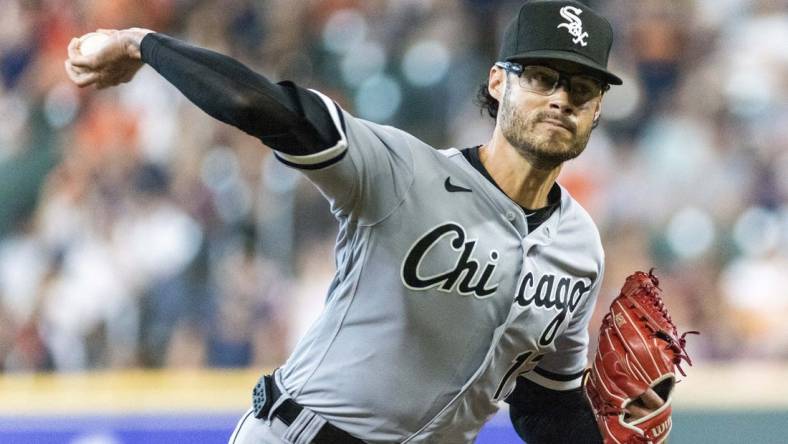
(221,172)
(757,231)
(675,152)
(378,98)
(784,227)
(781,164)
(367,59)
(220,168)
(233,201)
(622,102)
(344,30)
(690,232)
(426,63)
(13,116)
(61,104)
(750,91)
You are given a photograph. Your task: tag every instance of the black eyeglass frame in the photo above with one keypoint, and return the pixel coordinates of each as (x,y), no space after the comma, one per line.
(564,79)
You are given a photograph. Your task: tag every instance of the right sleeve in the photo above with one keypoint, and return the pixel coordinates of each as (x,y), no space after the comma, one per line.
(363,169)
(283,116)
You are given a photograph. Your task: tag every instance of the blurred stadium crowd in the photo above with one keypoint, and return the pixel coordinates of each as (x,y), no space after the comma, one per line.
(137,232)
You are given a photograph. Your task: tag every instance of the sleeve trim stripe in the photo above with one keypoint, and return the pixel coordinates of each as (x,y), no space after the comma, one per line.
(314,166)
(327,155)
(342,128)
(558,376)
(553,384)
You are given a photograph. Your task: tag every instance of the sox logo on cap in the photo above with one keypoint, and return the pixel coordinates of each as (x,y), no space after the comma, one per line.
(574,24)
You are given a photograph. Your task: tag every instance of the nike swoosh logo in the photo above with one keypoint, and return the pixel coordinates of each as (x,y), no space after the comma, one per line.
(450,187)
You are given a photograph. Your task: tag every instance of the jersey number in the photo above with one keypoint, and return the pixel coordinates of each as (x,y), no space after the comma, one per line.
(522,363)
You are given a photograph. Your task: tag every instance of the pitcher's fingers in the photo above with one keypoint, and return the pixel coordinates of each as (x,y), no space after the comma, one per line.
(88,79)
(76,69)
(71,72)
(644,404)
(651,399)
(81,79)
(73,46)
(636,411)
(90,62)
(79,60)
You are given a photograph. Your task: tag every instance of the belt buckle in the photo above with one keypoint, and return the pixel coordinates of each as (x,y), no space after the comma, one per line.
(262,398)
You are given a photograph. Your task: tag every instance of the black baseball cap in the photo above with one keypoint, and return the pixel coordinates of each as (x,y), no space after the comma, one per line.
(560,30)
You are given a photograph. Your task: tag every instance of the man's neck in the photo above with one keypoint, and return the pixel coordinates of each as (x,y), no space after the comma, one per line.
(528,186)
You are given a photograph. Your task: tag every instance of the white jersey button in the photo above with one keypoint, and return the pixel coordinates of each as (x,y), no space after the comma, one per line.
(511,216)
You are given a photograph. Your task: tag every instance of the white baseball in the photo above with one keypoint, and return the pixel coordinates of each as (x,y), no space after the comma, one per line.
(92,43)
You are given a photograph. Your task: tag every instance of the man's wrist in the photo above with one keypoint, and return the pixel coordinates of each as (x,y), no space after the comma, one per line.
(132,39)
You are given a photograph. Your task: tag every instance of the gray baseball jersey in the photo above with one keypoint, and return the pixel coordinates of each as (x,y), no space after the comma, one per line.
(441,296)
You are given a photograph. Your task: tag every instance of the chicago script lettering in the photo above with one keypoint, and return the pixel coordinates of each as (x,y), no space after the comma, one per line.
(563,296)
(464,270)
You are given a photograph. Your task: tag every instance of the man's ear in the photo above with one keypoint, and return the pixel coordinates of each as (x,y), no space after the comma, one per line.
(597,113)
(496,82)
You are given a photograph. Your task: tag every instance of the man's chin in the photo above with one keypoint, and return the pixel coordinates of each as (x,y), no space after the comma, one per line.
(547,149)
(552,128)
(556,146)
(556,138)
(549,156)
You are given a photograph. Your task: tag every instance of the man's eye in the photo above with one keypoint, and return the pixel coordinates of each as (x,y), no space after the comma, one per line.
(544,78)
(587,89)
(583,90)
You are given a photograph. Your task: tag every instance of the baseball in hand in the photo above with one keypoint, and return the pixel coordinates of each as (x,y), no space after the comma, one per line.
(92,43)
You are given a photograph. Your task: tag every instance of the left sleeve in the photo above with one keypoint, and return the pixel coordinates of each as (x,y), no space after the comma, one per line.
(544,416)
(563,369)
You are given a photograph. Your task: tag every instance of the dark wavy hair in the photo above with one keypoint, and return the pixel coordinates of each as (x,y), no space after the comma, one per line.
(486,101)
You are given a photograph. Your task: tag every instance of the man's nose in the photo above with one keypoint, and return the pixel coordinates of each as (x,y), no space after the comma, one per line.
(561,100)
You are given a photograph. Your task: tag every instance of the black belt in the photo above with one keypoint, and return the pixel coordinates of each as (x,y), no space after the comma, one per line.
(266,393)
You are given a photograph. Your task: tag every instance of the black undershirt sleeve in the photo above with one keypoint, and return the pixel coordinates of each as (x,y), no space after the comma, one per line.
(544,416)
(284,116)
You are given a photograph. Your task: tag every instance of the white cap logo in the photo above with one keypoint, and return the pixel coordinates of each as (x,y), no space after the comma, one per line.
(574,25)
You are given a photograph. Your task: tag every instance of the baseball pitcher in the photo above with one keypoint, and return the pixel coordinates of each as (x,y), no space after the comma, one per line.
(464,276)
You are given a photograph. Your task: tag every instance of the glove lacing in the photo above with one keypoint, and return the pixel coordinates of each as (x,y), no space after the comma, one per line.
(676,344)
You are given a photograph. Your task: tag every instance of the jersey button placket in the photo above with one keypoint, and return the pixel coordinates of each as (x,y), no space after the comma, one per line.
(517,221)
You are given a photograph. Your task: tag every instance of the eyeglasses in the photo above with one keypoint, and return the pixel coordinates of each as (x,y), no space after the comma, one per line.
(545,81)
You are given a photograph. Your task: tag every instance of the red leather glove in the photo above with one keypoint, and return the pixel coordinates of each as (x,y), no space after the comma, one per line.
(639,348)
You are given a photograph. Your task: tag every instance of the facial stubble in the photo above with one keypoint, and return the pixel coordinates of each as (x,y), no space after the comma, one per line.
(543,149)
